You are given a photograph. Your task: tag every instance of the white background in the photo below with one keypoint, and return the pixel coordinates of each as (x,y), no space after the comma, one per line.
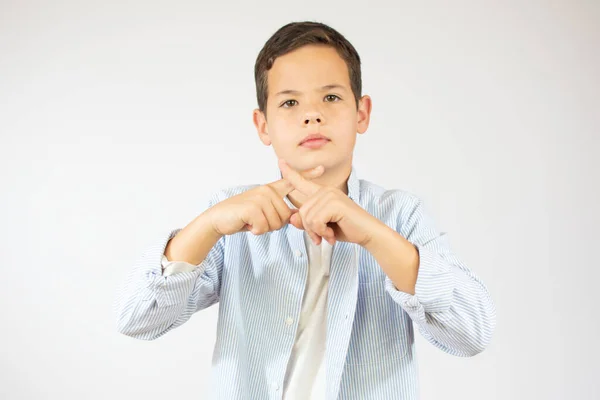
(118,119)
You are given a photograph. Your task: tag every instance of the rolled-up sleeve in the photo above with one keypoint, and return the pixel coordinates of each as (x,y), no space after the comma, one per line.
(451,307)
(157,296)
(149,304)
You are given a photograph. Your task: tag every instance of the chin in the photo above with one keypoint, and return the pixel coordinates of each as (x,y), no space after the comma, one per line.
(311,162)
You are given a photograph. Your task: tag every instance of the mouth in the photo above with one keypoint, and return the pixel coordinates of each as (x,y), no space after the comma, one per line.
(314,141)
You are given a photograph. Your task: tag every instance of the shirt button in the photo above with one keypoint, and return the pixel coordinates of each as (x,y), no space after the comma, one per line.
(298,253)
(289,321)
(275,386)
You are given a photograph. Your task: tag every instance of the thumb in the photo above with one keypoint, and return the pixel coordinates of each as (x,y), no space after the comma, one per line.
(296,220)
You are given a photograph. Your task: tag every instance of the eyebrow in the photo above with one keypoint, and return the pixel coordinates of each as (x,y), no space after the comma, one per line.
(323,89)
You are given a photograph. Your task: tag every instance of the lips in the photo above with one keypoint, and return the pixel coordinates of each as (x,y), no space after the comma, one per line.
(314,136)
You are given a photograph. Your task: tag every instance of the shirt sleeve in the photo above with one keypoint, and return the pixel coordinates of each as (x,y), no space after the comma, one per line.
(175,267)
(451,307)
(157,296)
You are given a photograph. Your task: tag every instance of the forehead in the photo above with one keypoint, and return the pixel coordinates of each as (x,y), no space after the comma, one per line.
(307,68)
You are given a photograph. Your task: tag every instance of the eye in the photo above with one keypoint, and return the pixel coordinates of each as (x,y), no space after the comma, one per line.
(289,103)
(332,97)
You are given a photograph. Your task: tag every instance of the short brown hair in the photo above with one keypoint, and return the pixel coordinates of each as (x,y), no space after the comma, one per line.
(298,34)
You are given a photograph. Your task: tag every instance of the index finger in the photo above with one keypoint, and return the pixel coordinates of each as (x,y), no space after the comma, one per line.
(297,180)
(283,186)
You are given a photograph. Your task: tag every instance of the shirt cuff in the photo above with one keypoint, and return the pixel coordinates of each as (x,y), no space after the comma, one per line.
(175,267)
(434,287)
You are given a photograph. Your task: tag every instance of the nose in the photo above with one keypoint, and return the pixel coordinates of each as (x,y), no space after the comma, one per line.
(314,117)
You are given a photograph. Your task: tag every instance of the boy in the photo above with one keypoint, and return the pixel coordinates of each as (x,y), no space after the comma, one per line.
(319,275)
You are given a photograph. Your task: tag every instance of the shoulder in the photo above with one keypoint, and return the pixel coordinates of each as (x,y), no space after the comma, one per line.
(400,209)
(374,195)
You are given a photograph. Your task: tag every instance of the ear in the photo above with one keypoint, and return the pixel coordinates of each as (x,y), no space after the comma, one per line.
(363,114)
(260,122)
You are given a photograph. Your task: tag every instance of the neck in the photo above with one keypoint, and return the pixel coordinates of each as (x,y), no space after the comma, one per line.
(336,177)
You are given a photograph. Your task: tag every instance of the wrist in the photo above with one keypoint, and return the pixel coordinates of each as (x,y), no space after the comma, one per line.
(206,228)
(374,233)
(193,243)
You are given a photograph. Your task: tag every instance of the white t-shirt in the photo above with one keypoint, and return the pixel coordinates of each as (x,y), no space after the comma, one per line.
(305,375)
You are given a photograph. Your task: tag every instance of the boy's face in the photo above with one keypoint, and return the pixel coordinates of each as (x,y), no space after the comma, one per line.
(309,93)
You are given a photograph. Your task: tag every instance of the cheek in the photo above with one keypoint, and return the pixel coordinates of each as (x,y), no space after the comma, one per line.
(282,135)
(345,121)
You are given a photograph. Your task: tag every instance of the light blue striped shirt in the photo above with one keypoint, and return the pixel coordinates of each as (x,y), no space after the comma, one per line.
(259,281)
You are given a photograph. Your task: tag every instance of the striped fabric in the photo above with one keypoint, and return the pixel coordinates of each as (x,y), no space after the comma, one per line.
(259,282)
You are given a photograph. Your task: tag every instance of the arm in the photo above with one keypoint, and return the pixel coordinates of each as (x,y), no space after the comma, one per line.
(150,303)
(450,305)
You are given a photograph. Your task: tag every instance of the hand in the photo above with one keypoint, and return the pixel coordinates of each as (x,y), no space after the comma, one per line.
(328,213)
(259,210)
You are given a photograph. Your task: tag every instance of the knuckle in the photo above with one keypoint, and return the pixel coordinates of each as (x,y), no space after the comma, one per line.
(286,217)
(267,227)
(269,190)
(265,190)
(286,213)
(259,228)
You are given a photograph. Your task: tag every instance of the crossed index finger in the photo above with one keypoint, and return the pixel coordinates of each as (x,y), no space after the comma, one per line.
(298,181)
(284,186)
